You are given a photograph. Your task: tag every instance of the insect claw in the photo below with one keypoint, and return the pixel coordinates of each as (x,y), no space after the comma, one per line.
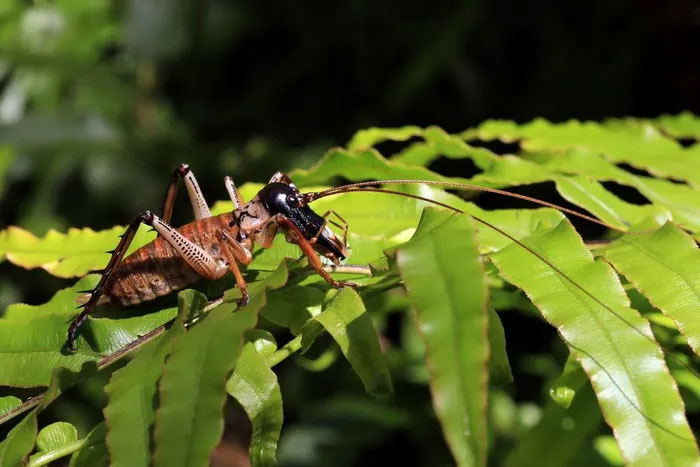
(97,271)
(87,291)
(110,251)
(340,285)
(83,305)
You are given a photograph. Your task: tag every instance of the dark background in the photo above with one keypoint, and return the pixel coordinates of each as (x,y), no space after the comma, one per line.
(247,88)
(110,96)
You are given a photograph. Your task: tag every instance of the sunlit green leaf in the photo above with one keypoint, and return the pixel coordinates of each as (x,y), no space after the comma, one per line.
(33,338)
(663,266)
(593,197)
(53,440)
(363,164)
(9,403)
(638,397)
(509,171)
(364,139)
(346,320)
(390,220)
(680,200)
(254,385)
(607,447)
(444,279)
(19,442)
(683,125)
(637,143)
(130,412)
(56,435)
(584,192)
(65,255)
(264,342)
(564,388)
(189,421)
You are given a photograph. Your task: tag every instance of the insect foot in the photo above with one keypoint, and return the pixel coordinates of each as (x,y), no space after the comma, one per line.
(243,301)
(342,284)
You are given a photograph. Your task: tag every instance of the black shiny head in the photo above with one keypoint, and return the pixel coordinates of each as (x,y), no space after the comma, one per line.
(280,198)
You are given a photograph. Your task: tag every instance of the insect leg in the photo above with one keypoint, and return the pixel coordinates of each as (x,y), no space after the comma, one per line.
(281,177)
(226,245)
(342,226)
(309,252)
(201,261)
(233,192)
(199,204)
(326,221)
(117,255)
(241,253)
(314,239)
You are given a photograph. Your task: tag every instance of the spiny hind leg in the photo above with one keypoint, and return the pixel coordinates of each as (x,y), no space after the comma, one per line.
(201,261)
(107,273)
(199,204)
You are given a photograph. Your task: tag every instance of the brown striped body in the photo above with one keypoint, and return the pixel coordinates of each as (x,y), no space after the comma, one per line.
(156,269)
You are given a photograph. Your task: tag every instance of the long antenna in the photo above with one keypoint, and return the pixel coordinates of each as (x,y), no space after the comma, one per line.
(361,186)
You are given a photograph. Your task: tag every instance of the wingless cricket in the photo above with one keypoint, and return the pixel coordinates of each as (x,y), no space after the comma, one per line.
(211,246)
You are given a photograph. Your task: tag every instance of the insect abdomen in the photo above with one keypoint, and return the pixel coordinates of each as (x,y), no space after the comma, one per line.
(156,269)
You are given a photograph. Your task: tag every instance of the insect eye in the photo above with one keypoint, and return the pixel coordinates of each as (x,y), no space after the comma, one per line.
(292,200)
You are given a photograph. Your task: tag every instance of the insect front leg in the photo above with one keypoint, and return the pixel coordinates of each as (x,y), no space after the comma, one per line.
(229,247)
(308,250)
(343,226)
(199,204)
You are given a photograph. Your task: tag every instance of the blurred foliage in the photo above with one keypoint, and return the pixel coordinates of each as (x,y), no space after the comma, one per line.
(99,100)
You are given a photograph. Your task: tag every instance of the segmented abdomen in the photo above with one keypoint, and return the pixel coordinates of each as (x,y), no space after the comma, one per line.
(156,269)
